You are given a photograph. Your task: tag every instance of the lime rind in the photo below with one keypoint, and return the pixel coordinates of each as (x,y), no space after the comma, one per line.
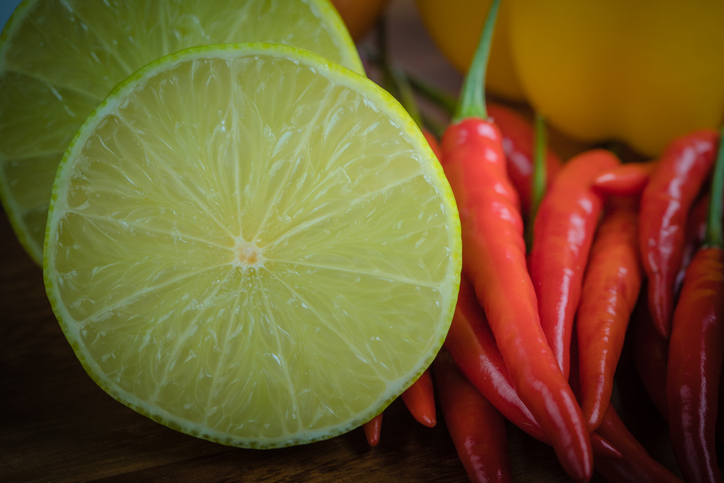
(347,45)
(341,75)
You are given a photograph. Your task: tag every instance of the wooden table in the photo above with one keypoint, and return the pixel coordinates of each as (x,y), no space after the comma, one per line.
(57,425)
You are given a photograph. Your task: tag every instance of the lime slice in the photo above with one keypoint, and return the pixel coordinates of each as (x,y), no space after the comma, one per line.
(60,58)
(253,245)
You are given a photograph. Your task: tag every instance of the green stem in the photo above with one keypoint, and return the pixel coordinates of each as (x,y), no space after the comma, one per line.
(443,99)
(714,236)
(472,100)
(440,97)
(394,80)
(406,95)
(539,177)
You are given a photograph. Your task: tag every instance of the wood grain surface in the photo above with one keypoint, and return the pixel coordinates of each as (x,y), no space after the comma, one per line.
(57,425)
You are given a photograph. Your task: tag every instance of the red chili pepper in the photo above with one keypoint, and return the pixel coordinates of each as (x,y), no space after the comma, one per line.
(518,135)
(562,237)
(494,259)
(636,465)
(471,344)
(694,366)
(696,349)
(372,429)
(693,237)
(420,400)
(610,289)
(665,203)
(627,179)
(476,427)
(650,354)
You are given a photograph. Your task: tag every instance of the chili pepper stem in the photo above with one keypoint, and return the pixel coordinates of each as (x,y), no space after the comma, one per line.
(714,236)
(539,178)
(472,100)
(442,99)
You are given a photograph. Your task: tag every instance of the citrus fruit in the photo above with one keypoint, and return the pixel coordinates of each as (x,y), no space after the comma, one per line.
(253,245)
(60,58)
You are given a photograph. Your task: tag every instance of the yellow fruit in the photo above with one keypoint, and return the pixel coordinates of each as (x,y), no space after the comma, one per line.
(643,72)
(252,245)
(455,27)
(60,58)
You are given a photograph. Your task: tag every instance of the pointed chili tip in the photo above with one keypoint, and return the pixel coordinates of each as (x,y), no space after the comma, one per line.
(427,420)
(372,430)
(579,466)
(660,307)
(604,449)
(592,414)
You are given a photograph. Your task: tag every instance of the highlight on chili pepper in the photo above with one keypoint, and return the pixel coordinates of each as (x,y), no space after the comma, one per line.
(475,426)
(474,163)
(563,232)
(675,184)
(608,296)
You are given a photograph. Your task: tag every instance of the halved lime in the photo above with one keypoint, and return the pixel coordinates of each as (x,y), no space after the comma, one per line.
(60,58)
(253,245)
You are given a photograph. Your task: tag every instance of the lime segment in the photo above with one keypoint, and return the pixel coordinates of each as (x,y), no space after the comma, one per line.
(253,245)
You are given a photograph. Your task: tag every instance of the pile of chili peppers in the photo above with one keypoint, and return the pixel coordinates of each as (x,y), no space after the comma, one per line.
(539,327)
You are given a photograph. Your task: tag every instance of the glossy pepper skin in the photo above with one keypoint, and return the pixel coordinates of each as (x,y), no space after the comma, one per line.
(471,344)
(627,179)
(562,236)
(665,204)
(636,465)
(420,400)
(372,430)
(495,262)
(476,427)
(696,352)
(610,290)
(617,70)
(518,141)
